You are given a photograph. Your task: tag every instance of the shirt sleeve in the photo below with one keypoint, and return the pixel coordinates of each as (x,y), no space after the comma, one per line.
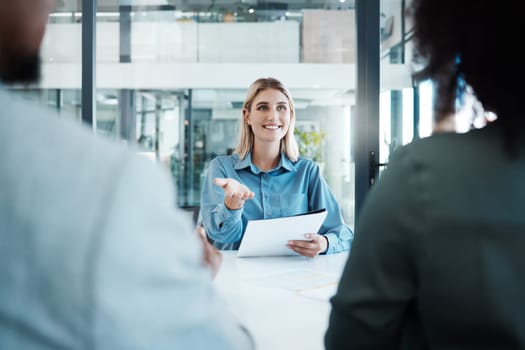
(222,224)
(377,288)
(334,228)
(150,289)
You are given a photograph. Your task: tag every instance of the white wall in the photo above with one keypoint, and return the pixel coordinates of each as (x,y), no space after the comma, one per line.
(181,42)
(168,55)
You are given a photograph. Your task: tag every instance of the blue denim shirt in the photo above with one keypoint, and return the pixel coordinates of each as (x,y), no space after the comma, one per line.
(288,189)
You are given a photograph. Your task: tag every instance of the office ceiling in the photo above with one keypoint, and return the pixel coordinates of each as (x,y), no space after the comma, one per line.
(212,5)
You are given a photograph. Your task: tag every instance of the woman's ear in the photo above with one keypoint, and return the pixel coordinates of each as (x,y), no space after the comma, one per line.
(246,116)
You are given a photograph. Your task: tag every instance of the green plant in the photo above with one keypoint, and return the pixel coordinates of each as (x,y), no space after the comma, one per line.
(310,144)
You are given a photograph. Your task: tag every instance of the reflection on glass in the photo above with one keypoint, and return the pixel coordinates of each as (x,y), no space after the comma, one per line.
(425,109)
(408,116)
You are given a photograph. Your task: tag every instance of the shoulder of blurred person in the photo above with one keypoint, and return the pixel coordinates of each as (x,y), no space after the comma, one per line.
(445,217)
(99,238)
(93,252)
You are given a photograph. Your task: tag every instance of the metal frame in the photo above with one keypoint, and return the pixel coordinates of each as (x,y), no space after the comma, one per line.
(89,9)
(367,111)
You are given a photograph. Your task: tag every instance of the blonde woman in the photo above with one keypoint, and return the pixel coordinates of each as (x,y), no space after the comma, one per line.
(266,178)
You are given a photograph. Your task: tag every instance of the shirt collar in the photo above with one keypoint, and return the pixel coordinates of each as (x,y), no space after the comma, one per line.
(244,163)
(284,163)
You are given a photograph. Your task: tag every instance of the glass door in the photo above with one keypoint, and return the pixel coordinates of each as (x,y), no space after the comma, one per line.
(399,114)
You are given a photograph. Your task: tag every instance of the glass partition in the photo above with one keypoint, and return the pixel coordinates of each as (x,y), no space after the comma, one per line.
(171,77)
(399,115)
(406,108)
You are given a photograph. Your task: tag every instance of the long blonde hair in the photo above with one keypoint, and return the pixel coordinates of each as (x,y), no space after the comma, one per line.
(246,136)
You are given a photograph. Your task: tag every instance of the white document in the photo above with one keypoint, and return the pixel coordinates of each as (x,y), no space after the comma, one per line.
(269,237)
(306,282)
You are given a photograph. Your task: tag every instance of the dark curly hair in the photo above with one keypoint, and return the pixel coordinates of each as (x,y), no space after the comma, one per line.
(473,43)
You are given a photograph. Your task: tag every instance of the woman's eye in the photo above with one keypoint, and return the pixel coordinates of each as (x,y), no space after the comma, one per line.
(262,108)
(281,108)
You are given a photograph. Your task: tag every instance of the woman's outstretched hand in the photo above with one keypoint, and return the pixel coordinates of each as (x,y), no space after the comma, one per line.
(235,193)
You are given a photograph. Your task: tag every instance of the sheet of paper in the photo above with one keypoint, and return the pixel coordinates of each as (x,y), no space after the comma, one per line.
(308,283)
(269,237)
(323,293)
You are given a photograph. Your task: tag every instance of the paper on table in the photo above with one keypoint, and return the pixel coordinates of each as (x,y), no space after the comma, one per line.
(269,237)
(321,292)
(298,280)
(308,283)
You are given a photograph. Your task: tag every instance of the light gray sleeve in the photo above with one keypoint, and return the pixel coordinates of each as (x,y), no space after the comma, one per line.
(150,288)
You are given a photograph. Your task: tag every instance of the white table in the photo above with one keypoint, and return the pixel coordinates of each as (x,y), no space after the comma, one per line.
(283,301)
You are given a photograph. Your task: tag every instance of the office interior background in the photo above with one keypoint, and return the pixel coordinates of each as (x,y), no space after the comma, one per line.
(170,77)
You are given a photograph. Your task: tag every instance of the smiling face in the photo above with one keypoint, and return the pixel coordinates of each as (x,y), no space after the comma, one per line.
(269,116)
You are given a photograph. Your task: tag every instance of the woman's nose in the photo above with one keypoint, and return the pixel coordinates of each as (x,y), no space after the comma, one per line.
(273,112)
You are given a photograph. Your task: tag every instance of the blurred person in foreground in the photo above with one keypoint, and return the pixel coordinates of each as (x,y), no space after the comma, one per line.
(93,254)
(438,259)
